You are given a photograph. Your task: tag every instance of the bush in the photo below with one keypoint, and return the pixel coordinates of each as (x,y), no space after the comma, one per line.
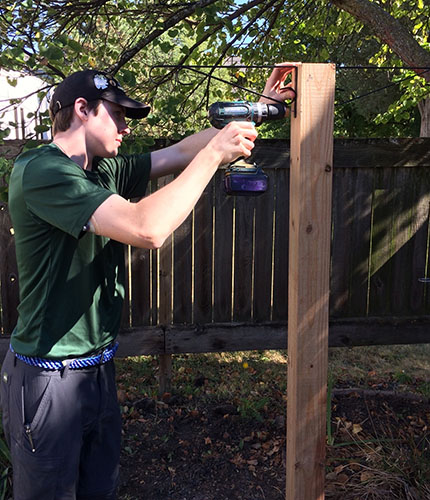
(5,170)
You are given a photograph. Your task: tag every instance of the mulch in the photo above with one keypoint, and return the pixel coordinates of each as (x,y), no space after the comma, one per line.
(197,449)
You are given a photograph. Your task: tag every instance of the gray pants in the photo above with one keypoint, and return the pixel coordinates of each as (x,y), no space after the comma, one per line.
(63,431)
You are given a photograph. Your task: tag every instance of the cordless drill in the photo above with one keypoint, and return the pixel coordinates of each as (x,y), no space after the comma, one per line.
(243,178)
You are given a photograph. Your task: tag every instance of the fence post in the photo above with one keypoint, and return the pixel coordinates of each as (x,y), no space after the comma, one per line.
(311,170)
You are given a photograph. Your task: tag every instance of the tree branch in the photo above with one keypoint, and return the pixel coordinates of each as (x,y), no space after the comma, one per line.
(168,23)
(238,12)
(389,30)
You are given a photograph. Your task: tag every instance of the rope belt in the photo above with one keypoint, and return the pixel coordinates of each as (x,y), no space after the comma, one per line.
(73,364)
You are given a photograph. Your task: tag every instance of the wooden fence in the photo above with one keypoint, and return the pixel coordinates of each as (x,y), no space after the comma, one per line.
(221,281)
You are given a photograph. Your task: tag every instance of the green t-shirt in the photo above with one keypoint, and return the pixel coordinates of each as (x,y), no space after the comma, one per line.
(71,282)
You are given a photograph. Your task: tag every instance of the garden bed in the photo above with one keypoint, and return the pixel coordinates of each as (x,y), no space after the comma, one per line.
(221,433)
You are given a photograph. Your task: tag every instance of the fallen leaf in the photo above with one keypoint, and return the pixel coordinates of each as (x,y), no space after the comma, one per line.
(342,478)
(366,476)
(356,428)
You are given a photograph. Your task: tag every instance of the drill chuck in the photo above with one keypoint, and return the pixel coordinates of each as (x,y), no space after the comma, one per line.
(222,113)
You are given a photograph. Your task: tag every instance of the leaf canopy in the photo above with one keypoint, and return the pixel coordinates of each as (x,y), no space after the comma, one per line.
(147,43)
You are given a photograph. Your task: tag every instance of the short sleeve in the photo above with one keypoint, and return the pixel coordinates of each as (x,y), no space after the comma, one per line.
(127,175)
(61,194)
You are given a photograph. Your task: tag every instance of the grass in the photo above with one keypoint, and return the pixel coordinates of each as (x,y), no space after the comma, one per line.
(258,373)
(360,363)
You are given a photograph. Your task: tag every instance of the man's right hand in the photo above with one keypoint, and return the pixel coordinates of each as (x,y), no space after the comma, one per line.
(233,141)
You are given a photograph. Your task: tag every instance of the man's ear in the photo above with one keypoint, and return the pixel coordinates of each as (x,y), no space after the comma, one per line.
(81,108)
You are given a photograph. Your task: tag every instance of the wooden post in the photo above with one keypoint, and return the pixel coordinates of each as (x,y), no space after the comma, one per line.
(311,171)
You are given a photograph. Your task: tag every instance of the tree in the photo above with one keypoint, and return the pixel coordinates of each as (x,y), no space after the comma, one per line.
(392,29)
(146,44)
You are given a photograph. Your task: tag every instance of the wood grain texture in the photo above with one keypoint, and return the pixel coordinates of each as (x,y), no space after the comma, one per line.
(311,171)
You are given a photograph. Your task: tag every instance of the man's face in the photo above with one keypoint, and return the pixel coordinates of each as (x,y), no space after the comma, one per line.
(106,129)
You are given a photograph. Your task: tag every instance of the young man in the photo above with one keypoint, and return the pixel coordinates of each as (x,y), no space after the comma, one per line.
(69,208)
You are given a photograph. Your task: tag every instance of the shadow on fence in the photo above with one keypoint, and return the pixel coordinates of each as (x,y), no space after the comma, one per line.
(221,281)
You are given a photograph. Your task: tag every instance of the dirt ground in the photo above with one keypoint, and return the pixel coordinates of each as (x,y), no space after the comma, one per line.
(189,449)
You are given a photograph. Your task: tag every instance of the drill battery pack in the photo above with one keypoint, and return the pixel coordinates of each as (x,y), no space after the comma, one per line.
(243,179)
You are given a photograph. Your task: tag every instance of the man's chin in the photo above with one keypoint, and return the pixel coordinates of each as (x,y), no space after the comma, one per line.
(111,154)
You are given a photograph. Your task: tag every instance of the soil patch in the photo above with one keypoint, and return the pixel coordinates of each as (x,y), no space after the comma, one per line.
(191,449)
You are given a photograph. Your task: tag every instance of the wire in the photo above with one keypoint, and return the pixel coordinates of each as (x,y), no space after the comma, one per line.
(425,69)
(341,67)
(233,84)
(381,88)
(211,66)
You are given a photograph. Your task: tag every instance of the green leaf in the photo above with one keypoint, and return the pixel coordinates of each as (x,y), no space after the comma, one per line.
(4,450)
(41,128)
(62,39)
(4,194)
(4,132)
(12,81)
(74,45)
(165,47)
(31,144)
(324,54)
(54,53)
(129,78)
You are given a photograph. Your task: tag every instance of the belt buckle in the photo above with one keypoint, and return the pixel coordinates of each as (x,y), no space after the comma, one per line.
(66,363)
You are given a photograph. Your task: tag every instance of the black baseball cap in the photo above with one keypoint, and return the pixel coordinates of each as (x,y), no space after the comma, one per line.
(92,85)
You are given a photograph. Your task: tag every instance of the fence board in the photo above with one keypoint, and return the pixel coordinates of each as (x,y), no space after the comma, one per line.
(263,251)
(165,273)
(223,258)
(381,153)
(341,247)
(407,222)
(182,269)
(126,308)
(142,301)
(419,253)
(384,211)
(281,242)
(143,282)
(243,258)
(146,340)
(352,209)
(203,256)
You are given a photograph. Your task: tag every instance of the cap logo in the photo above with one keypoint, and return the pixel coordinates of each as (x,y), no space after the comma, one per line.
(101,82)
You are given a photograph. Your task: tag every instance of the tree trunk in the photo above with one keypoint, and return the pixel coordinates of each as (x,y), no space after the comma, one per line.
(424,107)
